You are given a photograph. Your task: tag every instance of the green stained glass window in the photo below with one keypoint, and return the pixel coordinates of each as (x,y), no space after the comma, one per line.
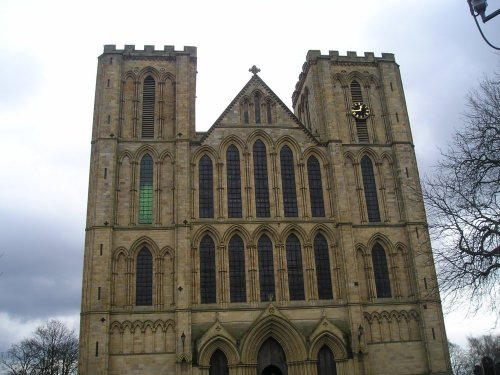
(146,191)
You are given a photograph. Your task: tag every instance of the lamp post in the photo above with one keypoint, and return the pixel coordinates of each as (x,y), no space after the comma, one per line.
(478,8)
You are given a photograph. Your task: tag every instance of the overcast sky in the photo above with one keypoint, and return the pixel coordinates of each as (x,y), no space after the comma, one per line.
(48,61)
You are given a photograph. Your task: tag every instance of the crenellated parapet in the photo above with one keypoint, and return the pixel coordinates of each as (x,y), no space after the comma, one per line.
(150,51)
(350,59)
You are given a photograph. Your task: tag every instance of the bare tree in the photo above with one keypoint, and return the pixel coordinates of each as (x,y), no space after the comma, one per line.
(464,361)
(463,202)
(52,350)
(460,361)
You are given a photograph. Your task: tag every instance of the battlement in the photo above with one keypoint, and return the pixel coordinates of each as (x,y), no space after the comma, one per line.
(351,58)
(149,50)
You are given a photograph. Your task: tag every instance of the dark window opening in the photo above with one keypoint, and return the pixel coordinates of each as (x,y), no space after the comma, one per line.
(294,265)
(257,107)
(218,364)
(144,278)
(206,187)
(245,111)
(323,275)
(233,182)
(370,189)
(381,272)
(261,180)
(315,187)
(266,268)
(237,280)
(207,270)
(326,362)
(269,113)
(148,107)
(288,182)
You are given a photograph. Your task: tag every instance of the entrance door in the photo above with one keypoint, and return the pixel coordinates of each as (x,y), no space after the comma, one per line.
(271,370)
(271,359)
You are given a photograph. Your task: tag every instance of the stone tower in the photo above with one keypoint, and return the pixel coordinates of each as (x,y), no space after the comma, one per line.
(277,242)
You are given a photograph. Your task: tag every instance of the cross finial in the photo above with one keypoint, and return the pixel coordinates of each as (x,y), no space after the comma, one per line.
(254,70)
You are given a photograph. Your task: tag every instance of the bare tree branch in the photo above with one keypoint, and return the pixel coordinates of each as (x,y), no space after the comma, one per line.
(463,202)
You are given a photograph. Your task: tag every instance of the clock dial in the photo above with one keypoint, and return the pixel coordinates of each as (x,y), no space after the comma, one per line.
(360,110)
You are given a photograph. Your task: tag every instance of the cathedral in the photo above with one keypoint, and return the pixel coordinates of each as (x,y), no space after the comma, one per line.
(279,242)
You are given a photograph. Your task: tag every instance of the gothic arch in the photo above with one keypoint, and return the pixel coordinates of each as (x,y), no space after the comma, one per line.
(262,136)
(384,241)
(360,77)
(201,232)
(325,231)
(281,330)
(167,251)
(340,78)
(267,230)
(167,76)
(149,71)
(239,230)
(298,231)
(129,74)
(125,154)
(143,150)
(368,151)
(204,150)
(166,155)
(120,251)
(287,140)
(315,151)
(222,343)
(334,341)
(232,140)
(140,243)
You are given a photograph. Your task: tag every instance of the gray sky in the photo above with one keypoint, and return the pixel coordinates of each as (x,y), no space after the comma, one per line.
(48,60)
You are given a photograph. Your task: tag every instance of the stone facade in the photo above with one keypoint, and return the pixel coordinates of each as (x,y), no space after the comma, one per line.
(276,242)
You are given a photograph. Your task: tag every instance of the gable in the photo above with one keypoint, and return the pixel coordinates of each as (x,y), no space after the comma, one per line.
(256,106)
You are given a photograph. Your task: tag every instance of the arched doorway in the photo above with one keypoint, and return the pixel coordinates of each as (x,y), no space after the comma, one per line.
(271,370)
(271,359)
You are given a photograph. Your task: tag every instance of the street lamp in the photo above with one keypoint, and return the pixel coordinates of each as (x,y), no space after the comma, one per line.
(478,8)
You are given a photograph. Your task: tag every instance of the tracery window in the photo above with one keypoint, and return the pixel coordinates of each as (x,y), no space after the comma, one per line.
(146,190)
(370,189)
(207,270)
(266,268)
(206,187)
(144,278)
(315,187)
(323,275)
(233,182)
(381,272)
(261,180)
(148,107)
(237,280)
(361,126)
(326,362)
(294,266)
(257,107)
(288,182)
(218,364)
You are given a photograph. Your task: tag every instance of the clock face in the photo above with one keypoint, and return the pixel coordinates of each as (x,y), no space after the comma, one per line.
(360,110)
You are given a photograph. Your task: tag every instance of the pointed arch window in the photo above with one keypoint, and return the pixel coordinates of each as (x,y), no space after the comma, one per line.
(326,362)
(257,107)
(370,189)
(148,107)
(233,182)
(381,272)
(288,182)
(261,180)
(146,190)
(323,275)
(237,280)
(266,268)
(207,270)
(206,187)
(361,126)
(245,111)
(144,278)
(218,364)
(294,265)
(315,187)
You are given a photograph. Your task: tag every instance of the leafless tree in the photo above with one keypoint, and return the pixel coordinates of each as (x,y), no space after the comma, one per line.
(460,362)
(52,350)
(463,360)
(463,202)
